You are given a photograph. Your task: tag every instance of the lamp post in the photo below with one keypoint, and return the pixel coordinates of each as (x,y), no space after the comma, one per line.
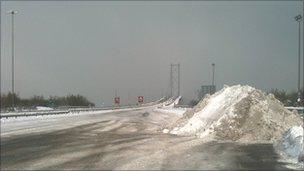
(213,67)
(298,18)
(213,72)
(303,58)
(13,13)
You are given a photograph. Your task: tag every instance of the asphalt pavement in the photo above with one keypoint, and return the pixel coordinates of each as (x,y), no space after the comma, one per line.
(130,140)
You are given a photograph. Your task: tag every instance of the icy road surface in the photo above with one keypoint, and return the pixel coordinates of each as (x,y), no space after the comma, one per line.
(126,139)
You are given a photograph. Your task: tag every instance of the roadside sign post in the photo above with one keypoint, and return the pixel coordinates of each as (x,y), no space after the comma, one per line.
(117,101)
(140,99)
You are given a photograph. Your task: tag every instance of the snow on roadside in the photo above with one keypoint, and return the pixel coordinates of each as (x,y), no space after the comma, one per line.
(178,111)
(174,102)
(21,125)
(39,117)
(165,131)
(291,143)
(238,113)
(43,108)
(291,146)
(70,113)
(220,105)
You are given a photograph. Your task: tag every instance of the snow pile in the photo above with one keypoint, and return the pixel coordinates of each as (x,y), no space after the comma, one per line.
(292,142)
(240,113)
(169,107)
(165,131)
(172,102)
(43,108)
(178,111)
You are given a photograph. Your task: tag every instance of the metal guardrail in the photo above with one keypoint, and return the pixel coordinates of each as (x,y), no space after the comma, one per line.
(10,115)
(294,108)
(57,112)
(299,110)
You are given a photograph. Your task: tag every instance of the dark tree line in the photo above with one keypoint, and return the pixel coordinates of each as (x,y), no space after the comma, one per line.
(287,98)
(52,101)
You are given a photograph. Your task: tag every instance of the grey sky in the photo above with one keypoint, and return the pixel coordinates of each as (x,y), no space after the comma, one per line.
(93,48)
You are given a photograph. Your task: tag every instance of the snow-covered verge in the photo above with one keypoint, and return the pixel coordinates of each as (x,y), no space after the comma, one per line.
(291,146)
(33,123)
(170,107)
(45,123)
(172,102)
(69,114)
(179,111)
(46,112)
(238,113)
(43,108)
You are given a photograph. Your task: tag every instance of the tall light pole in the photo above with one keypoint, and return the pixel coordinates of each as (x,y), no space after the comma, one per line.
(178,84)
(171,80)
(302,155)
(303,57)
(298,18)
(213,72)
(213,69)
(174,80)
(13,13)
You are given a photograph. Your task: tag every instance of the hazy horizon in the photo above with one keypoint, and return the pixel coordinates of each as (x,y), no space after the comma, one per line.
(94,48)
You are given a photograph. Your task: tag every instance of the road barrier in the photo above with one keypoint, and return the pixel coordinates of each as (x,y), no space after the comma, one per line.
(73,110)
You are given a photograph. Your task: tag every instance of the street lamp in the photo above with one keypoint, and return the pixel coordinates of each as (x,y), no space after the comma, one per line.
(213,65)
(298,18)
(13,13)
(213,72)
(303,58)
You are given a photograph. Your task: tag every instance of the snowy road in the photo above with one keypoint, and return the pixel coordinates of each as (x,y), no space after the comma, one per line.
(120,140)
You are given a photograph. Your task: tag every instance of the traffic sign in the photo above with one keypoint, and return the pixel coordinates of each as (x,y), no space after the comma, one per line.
(140,99)
(117,100)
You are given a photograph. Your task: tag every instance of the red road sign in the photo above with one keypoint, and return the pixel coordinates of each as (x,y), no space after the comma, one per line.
(117,100)
(140,99)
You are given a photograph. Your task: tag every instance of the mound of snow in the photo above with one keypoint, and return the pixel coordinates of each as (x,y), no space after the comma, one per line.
(43,108)
(237,113)
(177,111)
(172,102)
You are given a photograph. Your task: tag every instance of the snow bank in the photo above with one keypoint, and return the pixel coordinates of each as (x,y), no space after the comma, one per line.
(237,113)
(178,111)
(219,105)
(169,107)
(172,102)
(43,108)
